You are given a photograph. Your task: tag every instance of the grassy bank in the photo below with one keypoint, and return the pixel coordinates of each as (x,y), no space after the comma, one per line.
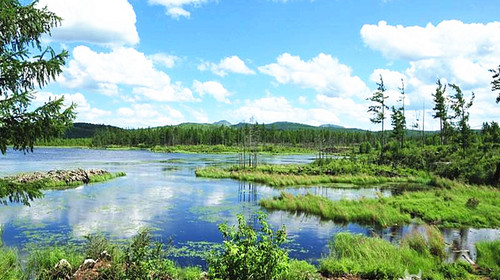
(141,258)
(488,254)
(375,258)
(462,206)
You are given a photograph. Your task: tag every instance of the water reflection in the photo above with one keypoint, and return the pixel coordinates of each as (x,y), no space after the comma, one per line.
(160,191)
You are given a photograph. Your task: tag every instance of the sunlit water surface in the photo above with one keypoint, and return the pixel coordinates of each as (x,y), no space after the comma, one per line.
(162,193)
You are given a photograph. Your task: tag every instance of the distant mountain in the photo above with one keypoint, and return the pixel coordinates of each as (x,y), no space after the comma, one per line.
(222,122)
(331,126)
(85,130)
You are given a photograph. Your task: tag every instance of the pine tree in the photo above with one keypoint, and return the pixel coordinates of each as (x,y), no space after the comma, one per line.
(21,28)
(461,108)
(441,109)
(495,84)
(378,110)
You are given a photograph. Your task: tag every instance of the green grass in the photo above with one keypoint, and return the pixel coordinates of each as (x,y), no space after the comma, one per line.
(442,207)
(140,258)
(223,149)
(10,267)
(320,172)
(488,258)
(375,258)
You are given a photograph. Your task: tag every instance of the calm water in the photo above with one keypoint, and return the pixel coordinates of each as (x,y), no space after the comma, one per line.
(161,192)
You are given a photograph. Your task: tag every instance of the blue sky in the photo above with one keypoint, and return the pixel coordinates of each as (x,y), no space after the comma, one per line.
(140,63)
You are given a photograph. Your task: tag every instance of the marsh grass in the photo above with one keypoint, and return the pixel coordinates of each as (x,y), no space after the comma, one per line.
(224,149)
(10,267)
(441,207)
(294,175)
(41,262)
(376,258)
(488,258)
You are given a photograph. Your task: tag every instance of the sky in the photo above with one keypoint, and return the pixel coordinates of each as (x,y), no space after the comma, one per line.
(146,63)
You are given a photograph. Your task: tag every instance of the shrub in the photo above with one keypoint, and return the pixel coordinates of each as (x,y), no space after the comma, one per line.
(472,203)
(250,254)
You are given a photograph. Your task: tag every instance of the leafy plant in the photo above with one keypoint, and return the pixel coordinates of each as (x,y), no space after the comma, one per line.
(250,254)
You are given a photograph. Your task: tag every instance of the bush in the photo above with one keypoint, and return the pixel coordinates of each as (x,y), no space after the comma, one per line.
(250,254)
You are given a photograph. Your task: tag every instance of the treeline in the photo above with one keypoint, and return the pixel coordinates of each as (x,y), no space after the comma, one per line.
(244,135)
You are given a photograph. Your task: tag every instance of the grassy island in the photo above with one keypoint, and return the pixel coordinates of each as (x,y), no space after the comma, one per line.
(27,186)
(324,171)
(463,206)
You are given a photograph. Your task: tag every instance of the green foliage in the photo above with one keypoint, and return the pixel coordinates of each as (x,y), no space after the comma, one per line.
(460,106)
(495,83)
(22,28)
(10,267)
(441,110)
(301,270)
(398,125)
(488,258)
(365,148)
(250,254)
(375,258)
(41,262)
(378,110)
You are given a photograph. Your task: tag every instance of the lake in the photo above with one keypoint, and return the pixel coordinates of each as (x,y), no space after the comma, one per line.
(162,193)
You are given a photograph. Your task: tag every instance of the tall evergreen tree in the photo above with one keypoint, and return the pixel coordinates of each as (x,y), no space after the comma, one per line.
(495,84)
(378,110)
(461,107)
(441,109)
(398,125)
(21,28)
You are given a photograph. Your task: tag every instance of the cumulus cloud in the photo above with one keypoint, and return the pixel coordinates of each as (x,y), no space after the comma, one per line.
(176,8)
(165,60)
(232,64)
(212,88)
(450,38)
(110,22)
(452,51)
(145,115)
(352,113)
(322,73)
(85,112)
(106,72)
(272,109)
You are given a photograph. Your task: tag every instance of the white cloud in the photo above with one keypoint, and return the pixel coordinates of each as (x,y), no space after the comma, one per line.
(85,113)
(351,114)
(165,60)
(272,109)
(452,51)
(231,64)
(322,73)
(176,8)
(450,38)
(110,22)
(213,88)
(105,72)
(145,115)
